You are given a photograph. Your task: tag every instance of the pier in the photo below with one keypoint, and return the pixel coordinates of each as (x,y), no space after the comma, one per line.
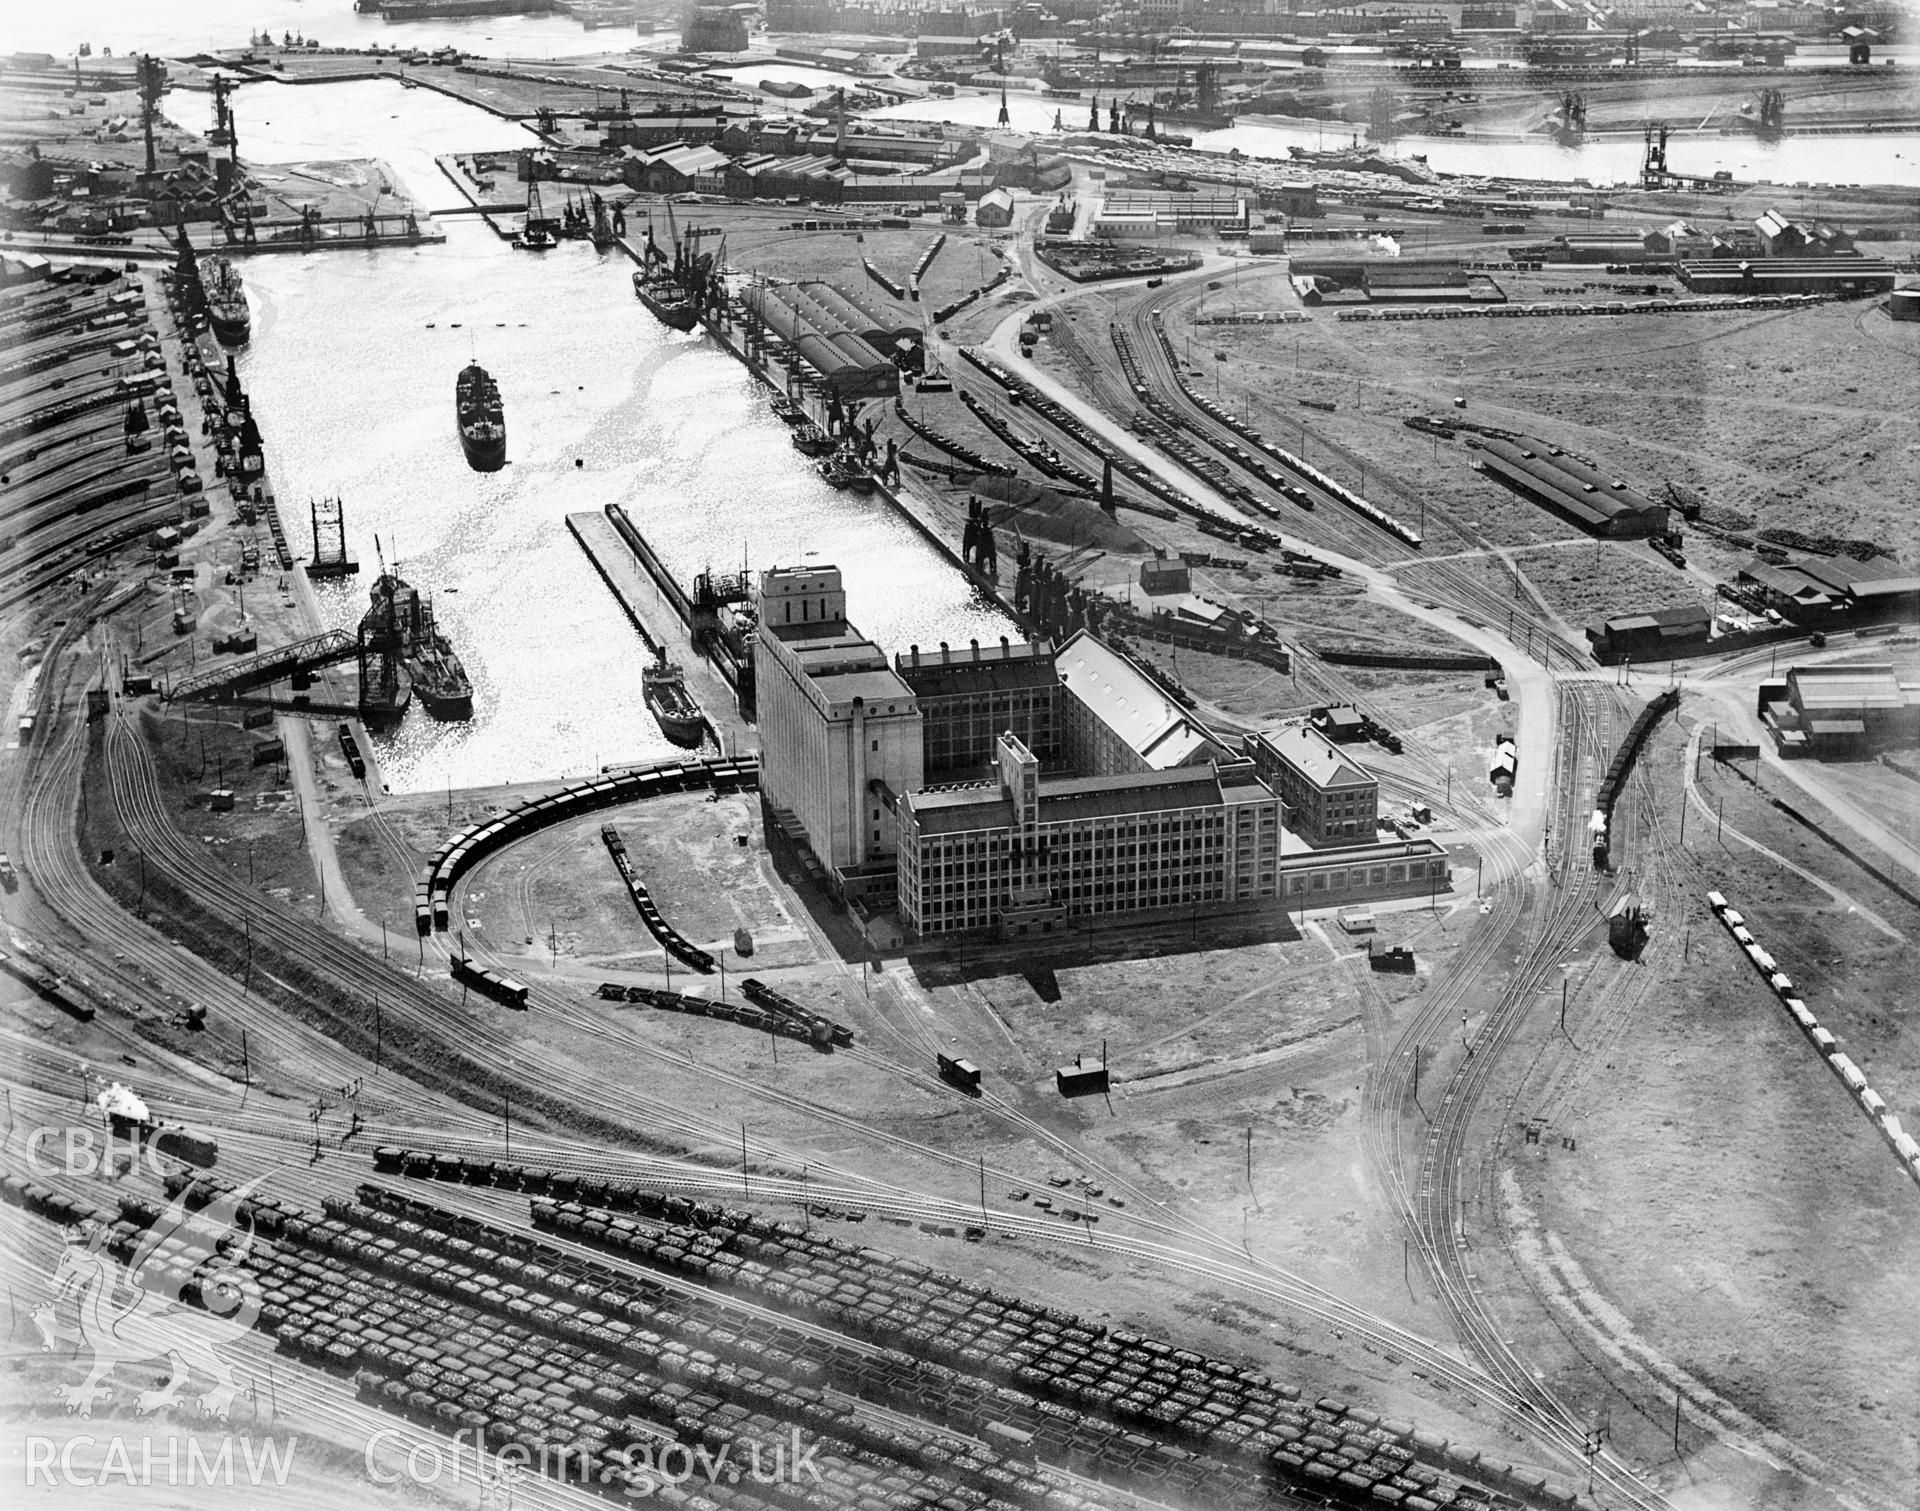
(653,614)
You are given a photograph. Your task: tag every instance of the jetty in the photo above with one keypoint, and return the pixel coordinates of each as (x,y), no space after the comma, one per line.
(656,618)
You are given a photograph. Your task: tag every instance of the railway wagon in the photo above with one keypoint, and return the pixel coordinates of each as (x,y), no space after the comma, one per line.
(488,982)
(824,1032)
(963,1075)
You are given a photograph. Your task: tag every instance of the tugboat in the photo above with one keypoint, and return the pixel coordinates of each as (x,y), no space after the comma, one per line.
(483,424)
(664,686)
(226,302)
(810,440)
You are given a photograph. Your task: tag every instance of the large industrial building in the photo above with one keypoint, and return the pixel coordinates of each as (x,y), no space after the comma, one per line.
(845,727)
(1023,855)
(1011,789)
(1578,493)
(1789,275)
(1837,710)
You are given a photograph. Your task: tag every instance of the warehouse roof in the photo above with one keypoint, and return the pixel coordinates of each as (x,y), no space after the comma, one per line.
(1131,705)
(1788,582)
(1833,689)
(1570,485)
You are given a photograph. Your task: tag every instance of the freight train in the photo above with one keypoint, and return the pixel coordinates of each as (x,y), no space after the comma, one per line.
(688,954)
(483,979)
(459,854)
(1219,412)
(823,1032)
(1886,1123)
(1601,824)
(948,1355)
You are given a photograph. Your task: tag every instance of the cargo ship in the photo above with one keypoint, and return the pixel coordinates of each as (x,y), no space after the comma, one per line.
(677,288)
(668,303)
(483,423)
(401,622)
(226,302)
(664,686)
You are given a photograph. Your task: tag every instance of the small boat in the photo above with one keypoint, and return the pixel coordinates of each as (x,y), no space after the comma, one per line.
(860,480)
(226,302)
(534,239)
(787,410)
(810,440)
(835,471)
(664,686)
(482,421)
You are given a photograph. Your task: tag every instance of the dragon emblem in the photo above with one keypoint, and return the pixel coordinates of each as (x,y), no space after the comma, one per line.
(183,1293)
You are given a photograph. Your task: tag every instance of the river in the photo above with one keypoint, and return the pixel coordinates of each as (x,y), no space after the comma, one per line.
(1865,158)
(351,368)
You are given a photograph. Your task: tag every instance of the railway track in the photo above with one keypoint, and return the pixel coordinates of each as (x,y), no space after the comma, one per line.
(1430,1189)
(1167,1242)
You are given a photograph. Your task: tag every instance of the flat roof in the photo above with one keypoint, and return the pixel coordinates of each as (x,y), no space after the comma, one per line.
(871,685)
(984,805)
